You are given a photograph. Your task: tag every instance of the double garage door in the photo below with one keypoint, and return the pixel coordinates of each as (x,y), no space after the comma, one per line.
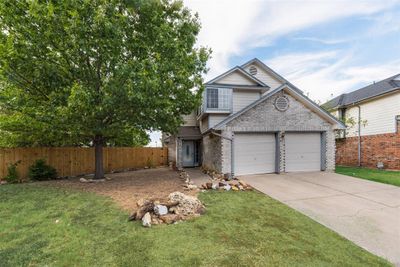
(257,153)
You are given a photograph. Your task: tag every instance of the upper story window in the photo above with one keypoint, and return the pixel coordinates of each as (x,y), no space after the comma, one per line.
(218,98)
(212,98)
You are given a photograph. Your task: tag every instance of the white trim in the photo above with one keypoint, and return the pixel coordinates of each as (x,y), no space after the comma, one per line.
(237,68)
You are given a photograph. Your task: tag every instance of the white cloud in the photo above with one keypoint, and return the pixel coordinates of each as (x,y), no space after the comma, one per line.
(230,28)
(385,23)
(224,23)
(327,74)
(322,41)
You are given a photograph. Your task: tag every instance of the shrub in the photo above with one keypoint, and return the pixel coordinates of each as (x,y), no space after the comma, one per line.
(150,163)
(41,171)
(12,174)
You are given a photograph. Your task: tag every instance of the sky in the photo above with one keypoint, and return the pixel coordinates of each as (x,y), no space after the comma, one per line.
(325,48)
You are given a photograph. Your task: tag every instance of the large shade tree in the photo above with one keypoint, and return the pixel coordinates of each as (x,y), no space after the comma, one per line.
(96,72)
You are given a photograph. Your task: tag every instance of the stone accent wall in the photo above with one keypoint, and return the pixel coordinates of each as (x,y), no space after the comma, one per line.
(172,149)
(374,148)
(212,152)
(330,150)
(179,163)
(226,152)
(266,118)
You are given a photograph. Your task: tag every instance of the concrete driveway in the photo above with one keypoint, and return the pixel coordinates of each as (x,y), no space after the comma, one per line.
(364,212)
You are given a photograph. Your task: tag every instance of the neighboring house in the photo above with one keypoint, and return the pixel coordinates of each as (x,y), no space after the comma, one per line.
(254,121)
(372,115)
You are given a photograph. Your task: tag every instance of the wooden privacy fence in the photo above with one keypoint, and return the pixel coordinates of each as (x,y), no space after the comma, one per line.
(72,161)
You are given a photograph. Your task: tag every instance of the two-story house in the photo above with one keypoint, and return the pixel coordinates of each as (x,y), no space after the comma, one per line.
(252,121)
(372,115)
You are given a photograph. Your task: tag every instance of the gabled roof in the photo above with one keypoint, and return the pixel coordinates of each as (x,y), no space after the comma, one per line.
(242,71)
(385,86)
(271,71)
(323,113)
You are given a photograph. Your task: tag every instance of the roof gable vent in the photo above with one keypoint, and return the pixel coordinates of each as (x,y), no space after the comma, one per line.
(253,70)
(282,103)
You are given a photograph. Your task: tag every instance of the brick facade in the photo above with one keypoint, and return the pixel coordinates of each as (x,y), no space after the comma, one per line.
(212,152)
(265,118)
(374,148)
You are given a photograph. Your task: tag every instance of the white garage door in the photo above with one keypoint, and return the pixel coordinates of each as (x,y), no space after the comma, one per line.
(254,153)
(302,152)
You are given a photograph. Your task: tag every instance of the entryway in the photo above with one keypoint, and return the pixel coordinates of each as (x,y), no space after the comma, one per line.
(190,153)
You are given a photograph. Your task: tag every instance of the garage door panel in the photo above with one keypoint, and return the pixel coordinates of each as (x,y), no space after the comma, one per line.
(254,153)
(302,152)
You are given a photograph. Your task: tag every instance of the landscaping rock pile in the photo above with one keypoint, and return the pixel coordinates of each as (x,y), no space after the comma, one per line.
(178,207)
(220,184)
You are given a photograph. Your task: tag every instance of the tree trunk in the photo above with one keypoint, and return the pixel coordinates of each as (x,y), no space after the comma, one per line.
(98,157)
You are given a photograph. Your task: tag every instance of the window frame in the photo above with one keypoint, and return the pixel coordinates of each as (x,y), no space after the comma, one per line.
(223,100)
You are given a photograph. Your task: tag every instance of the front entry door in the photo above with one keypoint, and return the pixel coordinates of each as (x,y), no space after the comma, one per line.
(188,153)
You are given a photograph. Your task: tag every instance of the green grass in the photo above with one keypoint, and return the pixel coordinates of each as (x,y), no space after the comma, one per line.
(387,177)
(239,229)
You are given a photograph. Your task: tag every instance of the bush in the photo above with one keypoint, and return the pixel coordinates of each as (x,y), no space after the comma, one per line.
(41,171)
(12,175)
(150,163)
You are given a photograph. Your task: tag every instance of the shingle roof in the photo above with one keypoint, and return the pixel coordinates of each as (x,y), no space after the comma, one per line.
(189,131)
(382,87)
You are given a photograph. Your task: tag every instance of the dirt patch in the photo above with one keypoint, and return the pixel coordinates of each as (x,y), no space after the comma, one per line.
(128,187)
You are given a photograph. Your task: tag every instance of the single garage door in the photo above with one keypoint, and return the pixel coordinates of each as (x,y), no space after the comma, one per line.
(302,152)
(254,153)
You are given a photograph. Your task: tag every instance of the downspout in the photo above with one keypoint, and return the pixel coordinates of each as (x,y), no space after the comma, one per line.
(359,136)
(231,140)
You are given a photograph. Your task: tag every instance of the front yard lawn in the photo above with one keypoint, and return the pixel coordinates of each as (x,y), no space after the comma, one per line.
(45,226)
(387,177)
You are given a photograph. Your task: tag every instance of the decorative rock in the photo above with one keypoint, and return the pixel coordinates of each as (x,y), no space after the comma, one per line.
(243,183)
(160,210)
(146,207)
(227,187)
(188,205)
(170,218)
(141,202)
(240,187)
(3,182)
(222,183)
(215,186)
(192,186)
(155,220)
(146,220)
(209,185)
(84,180)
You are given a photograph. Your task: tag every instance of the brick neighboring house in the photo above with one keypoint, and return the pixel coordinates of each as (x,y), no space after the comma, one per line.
(252,121)
(372,137)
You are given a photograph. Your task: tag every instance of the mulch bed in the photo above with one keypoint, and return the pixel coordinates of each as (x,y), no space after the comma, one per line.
(128,187)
